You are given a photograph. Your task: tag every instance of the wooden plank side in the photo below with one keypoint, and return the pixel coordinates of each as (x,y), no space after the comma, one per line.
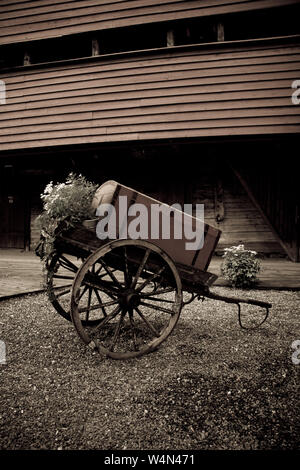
(45,21)
(176,80)
(101,10)
(176,119)
(94,88)
(135,133)
(18,7)
(90,77)
(117,107)
(280,86)
(156,135)
(185,99)
(144,108)
(25,9)
(142,60)
(144,127)
(87,15)
(81,11)
(79,118)
(187,92)
(226,74)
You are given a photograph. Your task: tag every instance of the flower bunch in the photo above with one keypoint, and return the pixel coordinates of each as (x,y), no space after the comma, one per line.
(64,205)
(240,266)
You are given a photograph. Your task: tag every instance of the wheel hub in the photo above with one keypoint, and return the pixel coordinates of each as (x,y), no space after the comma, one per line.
(130,299)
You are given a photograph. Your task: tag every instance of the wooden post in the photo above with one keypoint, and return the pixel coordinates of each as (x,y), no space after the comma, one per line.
(95,47)
(219,200)
(26,60)
(170,38)
(220,32)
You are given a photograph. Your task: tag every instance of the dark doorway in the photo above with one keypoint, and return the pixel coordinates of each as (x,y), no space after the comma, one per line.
(12,221)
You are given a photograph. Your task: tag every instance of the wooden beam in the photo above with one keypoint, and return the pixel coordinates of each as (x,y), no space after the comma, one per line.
(291,254)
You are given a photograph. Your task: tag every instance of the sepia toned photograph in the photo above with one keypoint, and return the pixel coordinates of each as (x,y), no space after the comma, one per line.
(149,229)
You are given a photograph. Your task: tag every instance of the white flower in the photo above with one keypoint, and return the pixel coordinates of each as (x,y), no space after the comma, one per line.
(49,188)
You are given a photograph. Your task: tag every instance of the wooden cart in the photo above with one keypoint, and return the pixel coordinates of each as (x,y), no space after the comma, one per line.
(125,296)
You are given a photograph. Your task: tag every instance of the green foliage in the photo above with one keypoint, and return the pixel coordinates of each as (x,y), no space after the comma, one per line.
(240,267)
(64,206)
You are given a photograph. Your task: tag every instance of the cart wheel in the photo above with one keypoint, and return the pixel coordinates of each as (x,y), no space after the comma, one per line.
(60,276)
(137,313)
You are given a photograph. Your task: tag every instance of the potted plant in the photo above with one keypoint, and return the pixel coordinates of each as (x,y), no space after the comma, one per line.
(64,206)
(240,266)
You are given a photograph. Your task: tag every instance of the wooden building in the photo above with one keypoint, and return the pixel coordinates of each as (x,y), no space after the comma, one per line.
(189,101)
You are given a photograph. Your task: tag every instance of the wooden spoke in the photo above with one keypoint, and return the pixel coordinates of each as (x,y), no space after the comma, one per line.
(66,263)
(156,307)
(96,272)
(60,269)
(110,273)
(89,305)
(109,290)
(64,292)
(158,292)
(100,302)
(105,274)
(109,317)
(95,307)
(153,299)
(127,277)
(140,269)
(132,326)
(83,292)
(117,330)
(150,279)
(154,331)
(60,276)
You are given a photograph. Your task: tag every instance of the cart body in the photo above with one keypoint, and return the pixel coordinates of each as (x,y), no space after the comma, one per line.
(130,287)
(180,222)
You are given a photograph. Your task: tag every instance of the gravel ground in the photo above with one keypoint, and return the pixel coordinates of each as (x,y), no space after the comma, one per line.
(211,385)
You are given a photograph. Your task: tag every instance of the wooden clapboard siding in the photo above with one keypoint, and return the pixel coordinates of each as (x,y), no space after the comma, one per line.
(190,92)
(31,20)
